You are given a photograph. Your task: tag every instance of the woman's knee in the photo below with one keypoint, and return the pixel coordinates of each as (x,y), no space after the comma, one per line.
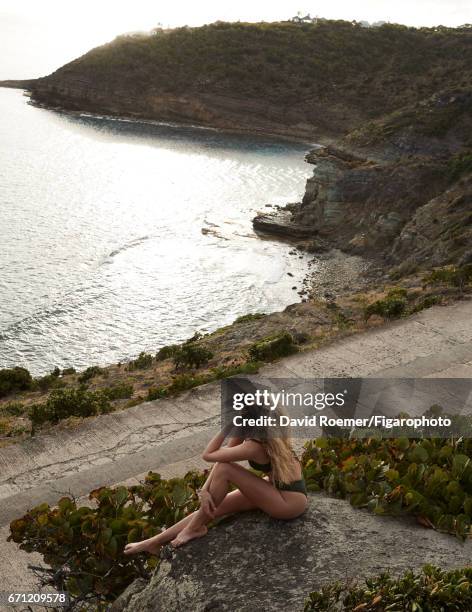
(223,469)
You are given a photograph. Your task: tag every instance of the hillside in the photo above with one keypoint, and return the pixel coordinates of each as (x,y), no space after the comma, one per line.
(309,80)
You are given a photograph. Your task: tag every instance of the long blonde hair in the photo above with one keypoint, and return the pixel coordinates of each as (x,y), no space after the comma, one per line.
(281,456)
(279,448)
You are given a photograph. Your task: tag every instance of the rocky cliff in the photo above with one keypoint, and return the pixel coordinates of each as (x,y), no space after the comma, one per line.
(316,80)
(398,189)
(252,563)
(395,101)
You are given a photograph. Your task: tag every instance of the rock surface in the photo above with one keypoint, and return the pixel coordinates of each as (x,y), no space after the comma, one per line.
(400,212)
(251,562)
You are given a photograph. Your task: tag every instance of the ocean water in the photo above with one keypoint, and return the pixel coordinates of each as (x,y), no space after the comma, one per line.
(118,236)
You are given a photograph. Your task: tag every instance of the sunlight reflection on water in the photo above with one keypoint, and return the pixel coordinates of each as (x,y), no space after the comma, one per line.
(103,253)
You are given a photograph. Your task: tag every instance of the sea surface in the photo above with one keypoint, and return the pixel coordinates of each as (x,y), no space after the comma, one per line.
(118,236)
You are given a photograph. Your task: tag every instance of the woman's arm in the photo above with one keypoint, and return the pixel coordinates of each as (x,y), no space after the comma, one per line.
(231,442)
(237,450)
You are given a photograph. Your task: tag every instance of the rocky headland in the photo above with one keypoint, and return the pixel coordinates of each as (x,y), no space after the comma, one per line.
(398,190)
(391,105)
(390,198)
(285,560)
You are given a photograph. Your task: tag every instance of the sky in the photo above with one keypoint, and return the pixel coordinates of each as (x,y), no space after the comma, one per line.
(38,36)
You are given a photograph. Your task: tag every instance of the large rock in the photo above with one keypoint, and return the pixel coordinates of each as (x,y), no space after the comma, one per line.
(251,562)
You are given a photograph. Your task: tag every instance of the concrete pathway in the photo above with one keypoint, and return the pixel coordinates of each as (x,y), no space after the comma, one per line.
(168,435)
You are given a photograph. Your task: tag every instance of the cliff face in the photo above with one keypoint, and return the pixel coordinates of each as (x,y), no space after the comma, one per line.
(251,562)
(403,195)
(397,101)
(213,110)
(315,80)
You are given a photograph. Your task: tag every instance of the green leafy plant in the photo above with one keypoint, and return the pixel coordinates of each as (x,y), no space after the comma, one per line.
(62,404)
(120,391)
(155,393)
(185,381)
(84,545)
(428,478)
(90,373)
(273,347)
(143,361)
(12,409)
(426,302)
(431,590)
(452,275)
(191,355)
(166,352)
(49,381)
(13,380)
(392,306)
(68,371)
(459,164)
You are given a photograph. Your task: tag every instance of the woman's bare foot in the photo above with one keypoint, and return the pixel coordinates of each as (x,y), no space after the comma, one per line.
(188,534)
(138,547)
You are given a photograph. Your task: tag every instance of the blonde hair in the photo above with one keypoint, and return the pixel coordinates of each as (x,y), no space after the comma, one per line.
(281,456)
(278,446)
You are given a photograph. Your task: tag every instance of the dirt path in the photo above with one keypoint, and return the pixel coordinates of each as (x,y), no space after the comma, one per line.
(168,435)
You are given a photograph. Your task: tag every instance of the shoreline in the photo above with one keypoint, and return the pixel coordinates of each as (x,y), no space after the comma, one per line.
(307,280)
(142,119)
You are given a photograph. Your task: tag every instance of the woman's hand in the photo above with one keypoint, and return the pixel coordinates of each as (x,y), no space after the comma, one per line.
(206,503)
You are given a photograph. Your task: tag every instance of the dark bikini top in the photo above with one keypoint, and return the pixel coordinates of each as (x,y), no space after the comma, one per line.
(260,467)
(264,467)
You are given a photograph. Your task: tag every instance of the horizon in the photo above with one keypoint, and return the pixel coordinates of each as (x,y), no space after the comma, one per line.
(36,40)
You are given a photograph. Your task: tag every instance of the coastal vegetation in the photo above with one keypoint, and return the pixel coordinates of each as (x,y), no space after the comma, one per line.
(334,74)
(30,404)
(428,479)
(429,590)
(83,544)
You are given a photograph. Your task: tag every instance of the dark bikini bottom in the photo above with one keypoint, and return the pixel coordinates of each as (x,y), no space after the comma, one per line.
(298,486)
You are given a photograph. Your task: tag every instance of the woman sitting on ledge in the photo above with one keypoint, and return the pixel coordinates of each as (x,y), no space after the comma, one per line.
(281,494)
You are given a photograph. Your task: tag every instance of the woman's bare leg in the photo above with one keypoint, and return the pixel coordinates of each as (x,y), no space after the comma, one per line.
(233,502)
(258,491)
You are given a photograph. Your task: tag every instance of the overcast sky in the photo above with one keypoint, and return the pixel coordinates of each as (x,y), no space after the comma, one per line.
(38,36)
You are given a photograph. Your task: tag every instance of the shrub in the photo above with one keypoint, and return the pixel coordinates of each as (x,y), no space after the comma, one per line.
(166,352)
(249,367)
(273,347)
(452,276)
(392,306)
(432,589)
(192,355)
(84,546)
(12,409)
(143,361)
(13,380)
(62,404)
(68,371)
(458,165)
(121,391)
(183,382)
(426,302)
(90,373)
(5,426)
(157,393)
(428,478)
(250,317)
(49,381)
